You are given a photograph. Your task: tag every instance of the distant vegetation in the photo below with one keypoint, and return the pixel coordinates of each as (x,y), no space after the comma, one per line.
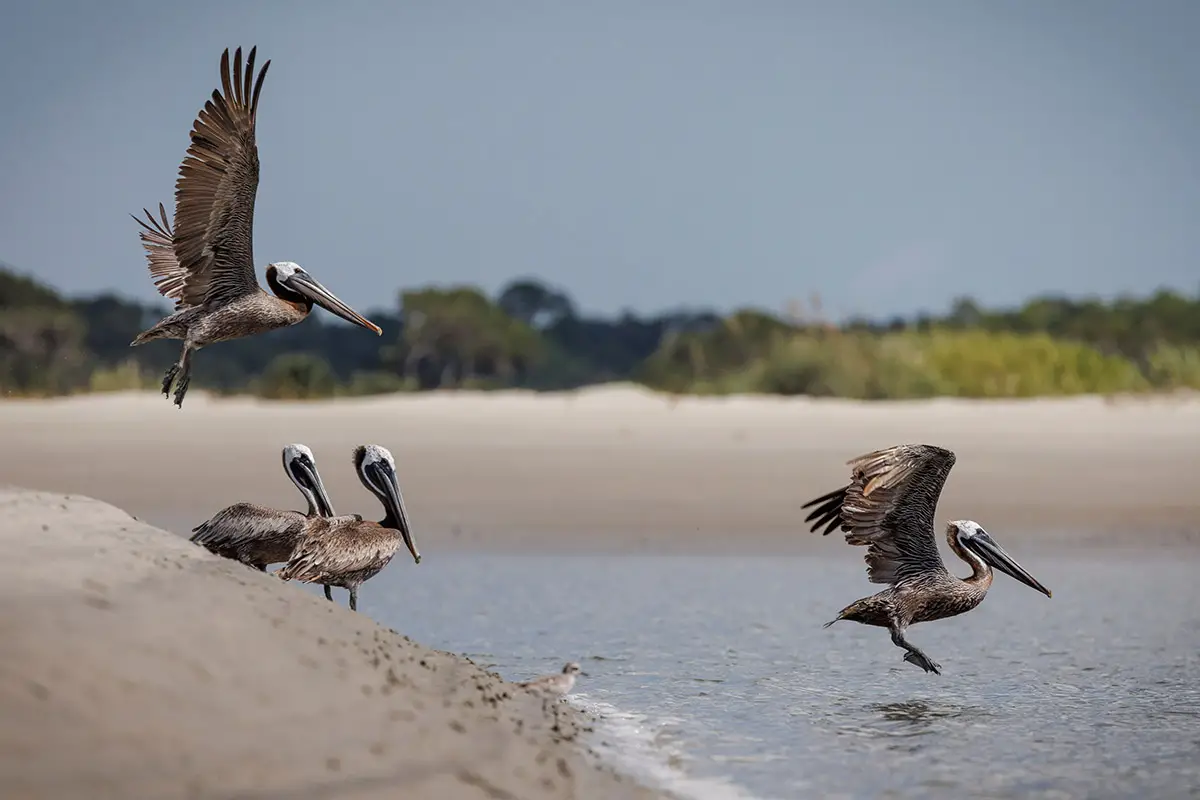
(532,336)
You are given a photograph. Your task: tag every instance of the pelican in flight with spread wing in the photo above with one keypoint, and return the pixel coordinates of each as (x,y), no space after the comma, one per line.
(889,506)
(348,551)
(206,262)
(256,535)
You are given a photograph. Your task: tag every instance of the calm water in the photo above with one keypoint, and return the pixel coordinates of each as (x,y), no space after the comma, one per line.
(714,673)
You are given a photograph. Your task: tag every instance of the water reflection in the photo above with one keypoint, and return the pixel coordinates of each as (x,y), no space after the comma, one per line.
(917,715)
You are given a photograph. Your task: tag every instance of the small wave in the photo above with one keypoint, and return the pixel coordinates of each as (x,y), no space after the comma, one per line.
(639,747)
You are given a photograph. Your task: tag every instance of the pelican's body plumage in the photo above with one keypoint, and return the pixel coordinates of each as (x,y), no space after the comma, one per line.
(889,506)
(205,263)
(347,551)
(257,535)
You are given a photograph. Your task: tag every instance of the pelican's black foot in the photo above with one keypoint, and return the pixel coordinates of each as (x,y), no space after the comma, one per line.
(168,378)
(328,593)
(923,661)
(181,390)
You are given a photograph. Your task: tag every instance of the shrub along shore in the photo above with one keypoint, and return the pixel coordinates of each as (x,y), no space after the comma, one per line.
(531,336)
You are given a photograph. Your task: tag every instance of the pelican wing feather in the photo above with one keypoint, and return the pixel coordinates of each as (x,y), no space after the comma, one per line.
(214,196)
(347,546)
(243,525)
(889,507)
(158,239)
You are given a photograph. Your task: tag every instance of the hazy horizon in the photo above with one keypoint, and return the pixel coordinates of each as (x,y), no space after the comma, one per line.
(638,156)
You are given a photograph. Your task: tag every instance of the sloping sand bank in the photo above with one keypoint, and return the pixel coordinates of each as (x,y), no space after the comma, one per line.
(135,665)
(619,468)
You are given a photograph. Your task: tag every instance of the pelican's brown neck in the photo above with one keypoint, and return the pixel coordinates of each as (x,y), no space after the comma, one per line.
(981,573)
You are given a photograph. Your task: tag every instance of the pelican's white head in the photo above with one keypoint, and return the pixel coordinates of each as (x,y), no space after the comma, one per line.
(285,269)
(373,455)
(296,450)
(966,529)
(301,466)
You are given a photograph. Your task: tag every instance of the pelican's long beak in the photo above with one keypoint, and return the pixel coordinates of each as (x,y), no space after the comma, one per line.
(990,551)
(326,505)
(395,502)
(311,288)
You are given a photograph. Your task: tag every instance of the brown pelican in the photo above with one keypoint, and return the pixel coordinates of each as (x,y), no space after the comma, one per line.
(206,263)
(889,507)
(347,551)
(559,684)
(256,535)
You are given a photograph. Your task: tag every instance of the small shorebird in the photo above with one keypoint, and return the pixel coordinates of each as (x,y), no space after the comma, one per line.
(559,684)
(349,551)
(889,506)
(206,263)
(256,535)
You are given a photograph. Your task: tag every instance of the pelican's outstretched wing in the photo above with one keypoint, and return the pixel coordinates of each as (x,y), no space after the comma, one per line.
(889,506)
(214,195)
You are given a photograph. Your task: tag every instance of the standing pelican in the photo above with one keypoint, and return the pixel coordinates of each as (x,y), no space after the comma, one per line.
(348,551)
(889,507)
(206,263)
(256,535)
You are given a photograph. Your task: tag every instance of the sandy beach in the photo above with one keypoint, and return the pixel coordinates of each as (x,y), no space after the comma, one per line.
(619,468)
(139,666)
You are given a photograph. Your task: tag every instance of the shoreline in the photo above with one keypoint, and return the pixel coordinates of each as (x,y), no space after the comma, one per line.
(139,665)
(622,469)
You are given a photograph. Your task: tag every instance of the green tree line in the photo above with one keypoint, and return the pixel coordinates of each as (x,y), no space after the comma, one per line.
(531,335)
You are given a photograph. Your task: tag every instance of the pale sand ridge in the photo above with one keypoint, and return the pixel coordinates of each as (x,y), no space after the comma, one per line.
(136,665)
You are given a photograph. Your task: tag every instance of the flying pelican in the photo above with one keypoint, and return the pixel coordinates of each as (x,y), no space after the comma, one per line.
(889,507)
(348,551)
(558,684)
(206,262)
(256,535)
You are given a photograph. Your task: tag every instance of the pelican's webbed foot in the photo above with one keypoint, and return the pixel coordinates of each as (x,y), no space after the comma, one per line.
(914,655)
(923,661)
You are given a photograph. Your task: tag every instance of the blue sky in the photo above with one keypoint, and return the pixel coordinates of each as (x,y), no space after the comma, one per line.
(646,155)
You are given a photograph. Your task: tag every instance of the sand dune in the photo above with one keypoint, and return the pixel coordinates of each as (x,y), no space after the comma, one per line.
(620,467)
(139,666)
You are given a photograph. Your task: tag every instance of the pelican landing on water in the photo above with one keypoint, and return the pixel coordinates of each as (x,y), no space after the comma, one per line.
(256,535)
(347,551)
(889,506)
(206,262)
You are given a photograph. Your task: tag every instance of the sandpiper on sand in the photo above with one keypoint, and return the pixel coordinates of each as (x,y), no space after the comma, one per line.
(559,684)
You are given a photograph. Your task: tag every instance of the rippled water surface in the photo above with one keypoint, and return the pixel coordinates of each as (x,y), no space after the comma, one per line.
(719,668)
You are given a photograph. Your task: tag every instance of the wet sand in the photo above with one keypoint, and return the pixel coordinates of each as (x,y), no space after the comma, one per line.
(621,469)
(137,665)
